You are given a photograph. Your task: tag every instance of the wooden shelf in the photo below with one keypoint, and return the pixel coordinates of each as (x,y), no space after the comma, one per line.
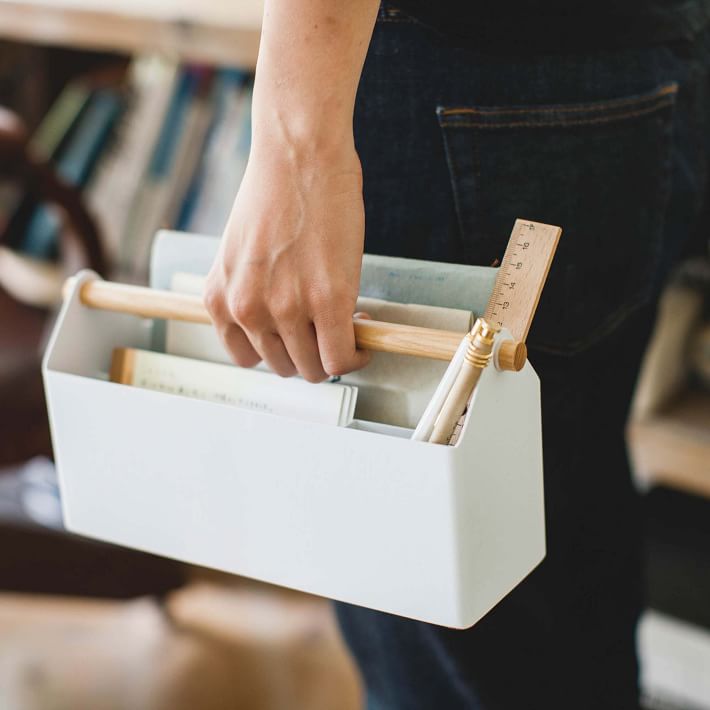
(212,31)
(672,447)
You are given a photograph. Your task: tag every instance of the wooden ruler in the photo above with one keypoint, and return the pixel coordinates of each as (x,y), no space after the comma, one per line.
(522,276)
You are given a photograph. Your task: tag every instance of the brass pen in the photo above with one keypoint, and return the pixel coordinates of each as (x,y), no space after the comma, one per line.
(477,357)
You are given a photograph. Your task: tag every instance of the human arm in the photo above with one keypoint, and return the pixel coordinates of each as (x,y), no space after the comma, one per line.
(284,285)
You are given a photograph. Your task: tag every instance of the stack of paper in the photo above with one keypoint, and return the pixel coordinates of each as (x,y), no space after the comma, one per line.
(326,403)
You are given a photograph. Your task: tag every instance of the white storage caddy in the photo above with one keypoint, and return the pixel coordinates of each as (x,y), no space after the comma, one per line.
(359,514)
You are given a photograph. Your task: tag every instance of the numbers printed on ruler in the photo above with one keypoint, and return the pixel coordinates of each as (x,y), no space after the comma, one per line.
(522,275)
(510,271)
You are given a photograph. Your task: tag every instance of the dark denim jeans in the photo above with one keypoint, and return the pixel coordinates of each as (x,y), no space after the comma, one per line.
(613,146)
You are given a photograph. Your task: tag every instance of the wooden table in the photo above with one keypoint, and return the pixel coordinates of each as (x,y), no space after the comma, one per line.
(212,31)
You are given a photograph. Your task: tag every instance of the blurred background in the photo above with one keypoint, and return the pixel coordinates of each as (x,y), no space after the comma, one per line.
(114,124)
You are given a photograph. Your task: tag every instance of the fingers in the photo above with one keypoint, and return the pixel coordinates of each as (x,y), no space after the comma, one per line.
(274,353)
(336,343)
(247,333)
(269,348)
(302,346)
(288,342)
(238,346)
(232,335)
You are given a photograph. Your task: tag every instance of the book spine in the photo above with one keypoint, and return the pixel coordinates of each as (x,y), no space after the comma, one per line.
(117,179)
(74,168)
(227,83)
(56,128)
(47,143)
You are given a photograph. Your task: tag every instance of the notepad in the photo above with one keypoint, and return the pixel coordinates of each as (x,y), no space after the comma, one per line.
(326,403)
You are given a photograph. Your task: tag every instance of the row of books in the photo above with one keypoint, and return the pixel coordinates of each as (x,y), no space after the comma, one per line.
(166,148)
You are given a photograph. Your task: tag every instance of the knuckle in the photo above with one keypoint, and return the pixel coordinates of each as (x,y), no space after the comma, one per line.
(336,365)
(319,300)
(331,299)
(213,299)
(331,314)
(246,310)
(286,310)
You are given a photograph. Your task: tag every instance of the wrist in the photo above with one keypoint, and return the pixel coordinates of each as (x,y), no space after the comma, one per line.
(293,114)
(299,145)
(301,135)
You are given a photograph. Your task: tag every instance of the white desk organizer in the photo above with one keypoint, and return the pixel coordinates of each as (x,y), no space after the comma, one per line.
(359,514)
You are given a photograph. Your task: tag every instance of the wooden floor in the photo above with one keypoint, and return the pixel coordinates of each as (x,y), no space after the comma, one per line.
(210,646)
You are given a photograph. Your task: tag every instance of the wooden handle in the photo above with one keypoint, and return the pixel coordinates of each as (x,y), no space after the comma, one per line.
(369,334)
(512,355)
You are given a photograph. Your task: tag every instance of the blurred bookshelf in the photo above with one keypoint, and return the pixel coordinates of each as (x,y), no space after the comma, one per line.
(144,135)
(153,130)
(222,32)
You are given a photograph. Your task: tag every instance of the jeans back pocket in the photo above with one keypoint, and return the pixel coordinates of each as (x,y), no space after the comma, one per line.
(600,170)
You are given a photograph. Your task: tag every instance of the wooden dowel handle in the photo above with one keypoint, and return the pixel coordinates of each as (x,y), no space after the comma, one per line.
(406,339)
(512,355)
(143,302)
(369,334)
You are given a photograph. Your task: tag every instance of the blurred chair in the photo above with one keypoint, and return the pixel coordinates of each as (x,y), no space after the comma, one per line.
(29,292)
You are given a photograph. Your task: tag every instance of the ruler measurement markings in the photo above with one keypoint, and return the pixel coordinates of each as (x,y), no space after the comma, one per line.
(523,271)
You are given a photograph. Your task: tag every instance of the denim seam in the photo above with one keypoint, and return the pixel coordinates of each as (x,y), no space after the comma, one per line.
(454,176)
(663,93)
(557,124)
(476,183)
(397,20)
(391,14)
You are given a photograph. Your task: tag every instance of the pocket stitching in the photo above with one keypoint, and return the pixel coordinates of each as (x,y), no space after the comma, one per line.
(456,176)
(392,14)
(666,92)
(610,118)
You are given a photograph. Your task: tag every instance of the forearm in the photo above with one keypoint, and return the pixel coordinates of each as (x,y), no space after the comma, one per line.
(310,60)
(285,284)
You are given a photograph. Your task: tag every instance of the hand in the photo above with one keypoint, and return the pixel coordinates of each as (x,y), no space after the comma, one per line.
(284,285)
